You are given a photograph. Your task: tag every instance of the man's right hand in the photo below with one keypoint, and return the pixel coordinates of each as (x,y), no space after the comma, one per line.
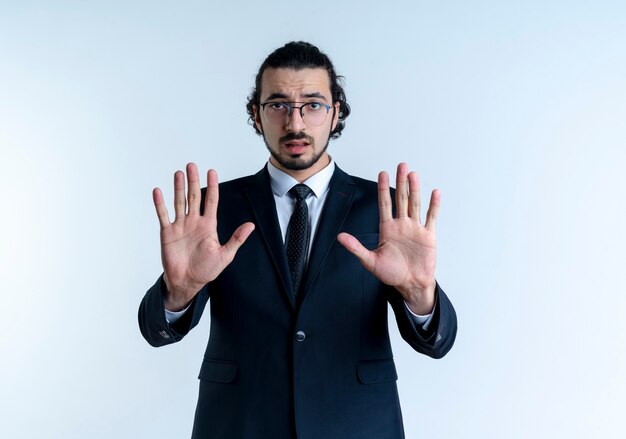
(191,253)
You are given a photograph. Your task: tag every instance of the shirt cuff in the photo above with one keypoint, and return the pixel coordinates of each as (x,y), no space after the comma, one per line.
(421,320)
(173,316)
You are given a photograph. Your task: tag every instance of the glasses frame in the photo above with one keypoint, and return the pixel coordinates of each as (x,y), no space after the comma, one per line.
(291,107)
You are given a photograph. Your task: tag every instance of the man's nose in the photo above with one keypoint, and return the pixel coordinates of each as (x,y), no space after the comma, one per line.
(295,123)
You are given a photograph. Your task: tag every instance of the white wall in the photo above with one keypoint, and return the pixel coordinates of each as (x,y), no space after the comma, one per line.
(515,110)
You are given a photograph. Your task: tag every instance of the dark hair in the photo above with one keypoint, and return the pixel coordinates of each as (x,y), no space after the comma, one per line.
(299,55)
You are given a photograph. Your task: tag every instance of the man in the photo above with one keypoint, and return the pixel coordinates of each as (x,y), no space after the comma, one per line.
(299,344)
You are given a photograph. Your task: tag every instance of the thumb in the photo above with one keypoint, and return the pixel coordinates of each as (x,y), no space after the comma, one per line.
(239,237)
(365,256)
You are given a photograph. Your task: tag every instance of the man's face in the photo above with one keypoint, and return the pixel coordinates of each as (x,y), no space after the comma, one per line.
(297,147)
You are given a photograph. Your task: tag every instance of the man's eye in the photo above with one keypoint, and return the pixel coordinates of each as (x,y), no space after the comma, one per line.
(314,106)
(278,106)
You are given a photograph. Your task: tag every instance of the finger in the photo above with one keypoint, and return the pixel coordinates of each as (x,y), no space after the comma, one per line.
(433,210)
(415,203)
(402,191)
(161,209)
(365,256)
(212,195)
(179,194)
(384,199)
(239,237)
(193,185)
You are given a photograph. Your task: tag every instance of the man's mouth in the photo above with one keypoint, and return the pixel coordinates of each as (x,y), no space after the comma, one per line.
(296,146)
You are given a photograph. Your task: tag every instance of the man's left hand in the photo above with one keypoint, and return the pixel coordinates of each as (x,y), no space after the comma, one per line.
(407,250)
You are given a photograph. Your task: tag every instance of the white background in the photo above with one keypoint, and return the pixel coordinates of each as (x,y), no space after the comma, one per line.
(515,110)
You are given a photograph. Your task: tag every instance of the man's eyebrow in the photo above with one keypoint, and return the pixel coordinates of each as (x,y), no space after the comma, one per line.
(306,95)
(315,95)
(276,96)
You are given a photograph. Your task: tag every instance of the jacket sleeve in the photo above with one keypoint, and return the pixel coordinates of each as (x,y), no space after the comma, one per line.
(152,323)
(441,333)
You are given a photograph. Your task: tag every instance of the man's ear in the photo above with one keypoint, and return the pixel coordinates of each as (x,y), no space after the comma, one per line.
(336,106)
(257,118)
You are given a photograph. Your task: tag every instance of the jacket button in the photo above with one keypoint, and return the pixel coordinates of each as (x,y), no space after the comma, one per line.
(300,336)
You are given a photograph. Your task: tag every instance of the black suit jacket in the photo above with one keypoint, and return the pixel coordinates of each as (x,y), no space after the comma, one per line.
(316,367)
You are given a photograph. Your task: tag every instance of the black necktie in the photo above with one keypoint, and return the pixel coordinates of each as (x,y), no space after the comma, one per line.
(298,234)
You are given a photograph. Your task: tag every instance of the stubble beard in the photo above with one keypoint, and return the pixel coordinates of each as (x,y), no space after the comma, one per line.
(296,163)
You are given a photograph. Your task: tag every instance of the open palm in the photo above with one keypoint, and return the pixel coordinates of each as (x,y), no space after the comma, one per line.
(406,254)
(191,252)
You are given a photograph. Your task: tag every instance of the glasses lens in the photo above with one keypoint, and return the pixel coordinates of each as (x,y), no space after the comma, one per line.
(276,112)
(314,114)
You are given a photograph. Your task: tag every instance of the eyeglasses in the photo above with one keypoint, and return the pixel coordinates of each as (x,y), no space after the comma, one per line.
(312,113)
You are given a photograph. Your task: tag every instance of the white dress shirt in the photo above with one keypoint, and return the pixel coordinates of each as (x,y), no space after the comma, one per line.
(319,183)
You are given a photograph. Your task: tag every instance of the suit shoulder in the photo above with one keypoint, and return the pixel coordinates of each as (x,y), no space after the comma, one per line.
(364,184)
(238,183)
(366,188)
(231,192)
(235,185)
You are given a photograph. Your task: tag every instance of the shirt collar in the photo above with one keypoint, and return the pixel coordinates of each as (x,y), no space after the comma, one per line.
(281,182)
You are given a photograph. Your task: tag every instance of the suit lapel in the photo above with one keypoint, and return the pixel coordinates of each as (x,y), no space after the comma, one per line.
(261,200)
(338,202)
